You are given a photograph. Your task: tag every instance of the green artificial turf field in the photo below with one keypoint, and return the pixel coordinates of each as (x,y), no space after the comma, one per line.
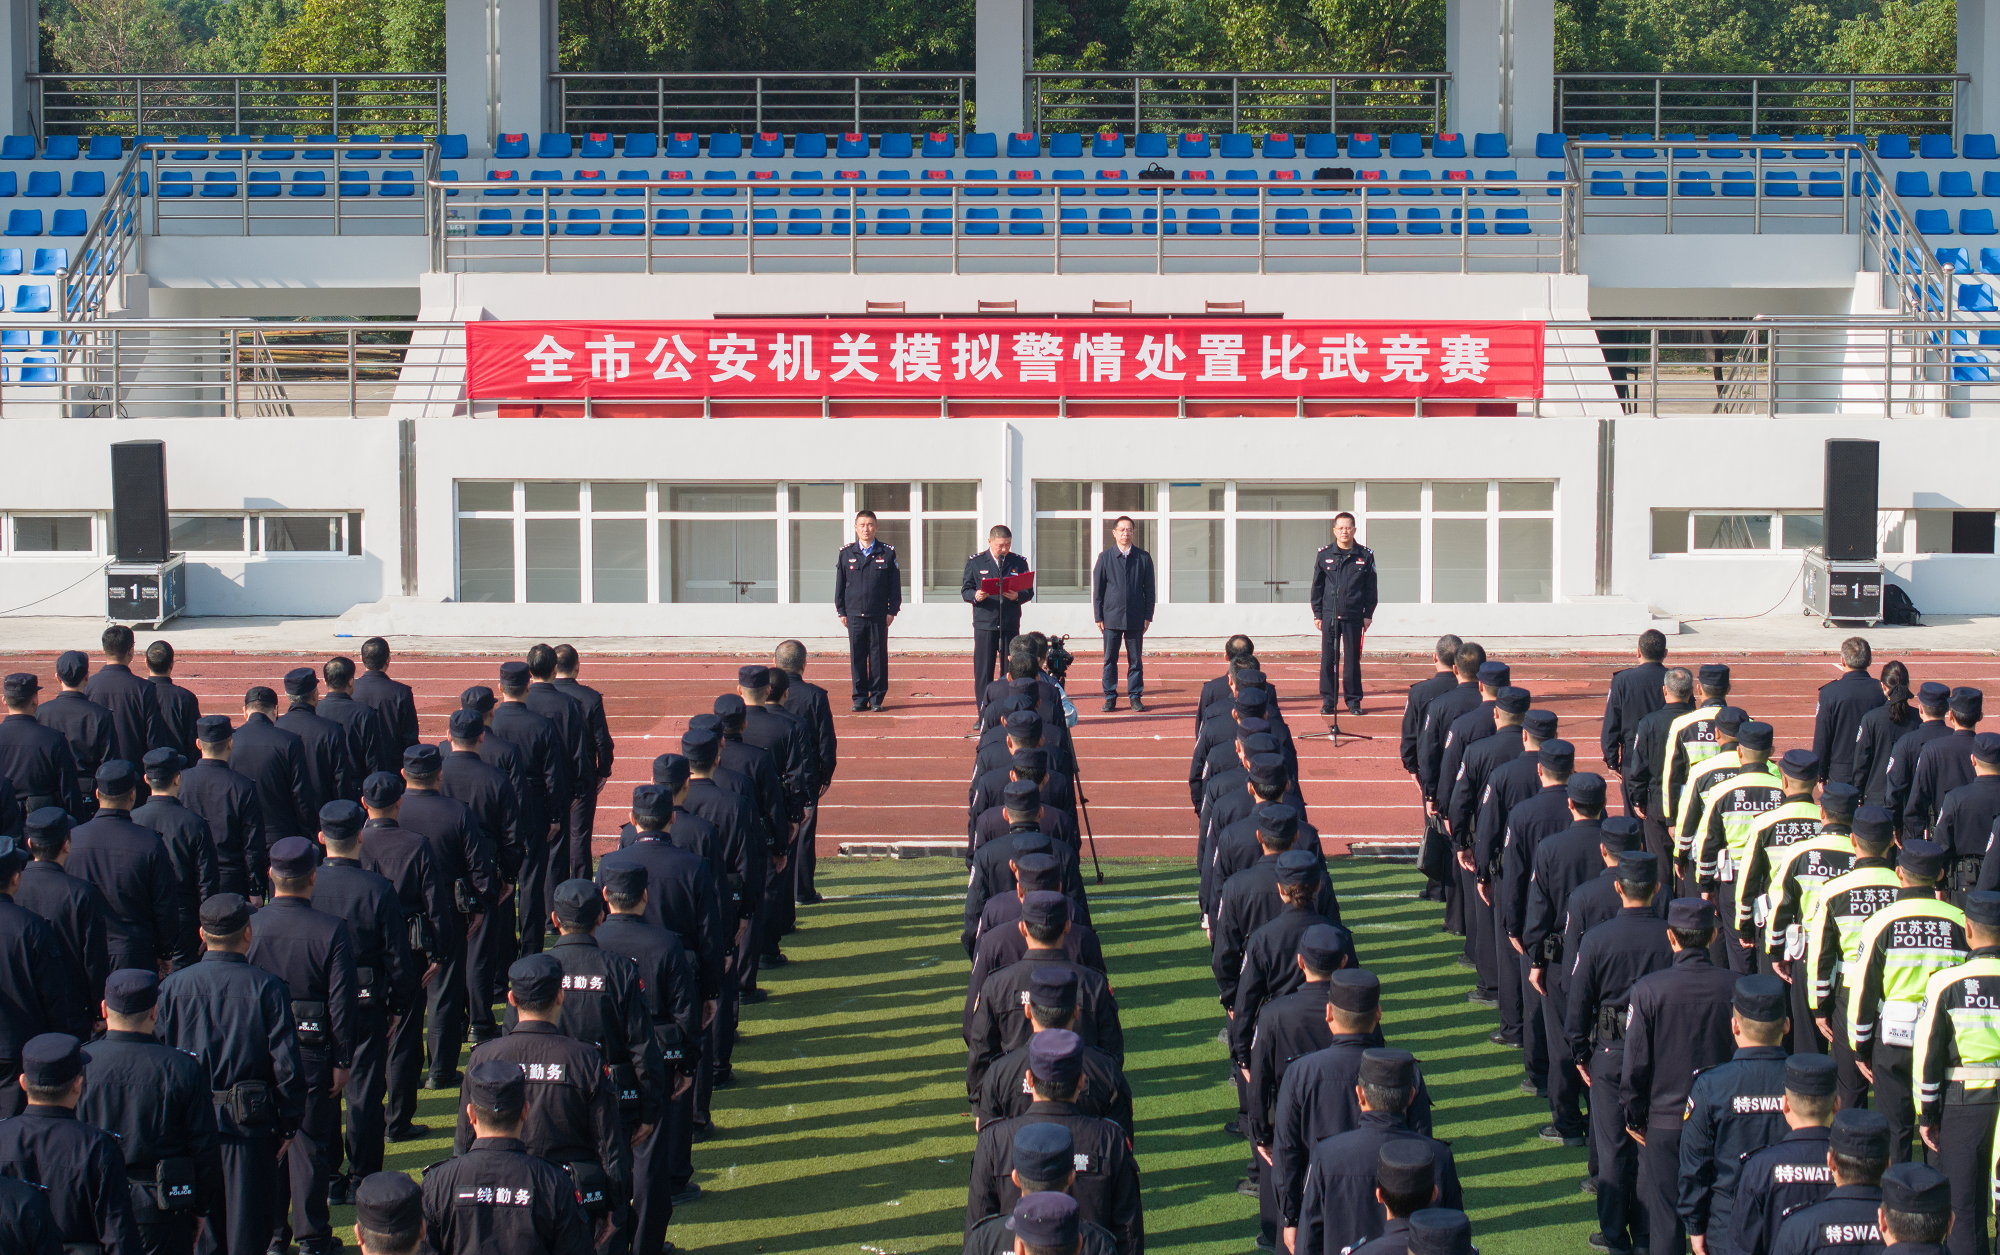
(847,1129)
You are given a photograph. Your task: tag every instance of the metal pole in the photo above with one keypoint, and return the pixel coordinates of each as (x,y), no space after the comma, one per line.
(1364,228)
(758,108)
(1850,106)
(548,227)
(1657,84)
(1261,228)
(353,371)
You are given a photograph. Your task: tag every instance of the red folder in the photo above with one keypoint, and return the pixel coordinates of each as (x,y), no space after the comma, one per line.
(1012,584)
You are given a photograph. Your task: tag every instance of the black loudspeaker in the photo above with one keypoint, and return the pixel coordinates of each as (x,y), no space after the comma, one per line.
(1853,483)
(139,499)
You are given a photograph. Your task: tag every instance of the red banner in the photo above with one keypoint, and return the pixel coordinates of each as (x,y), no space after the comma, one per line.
(1010,358)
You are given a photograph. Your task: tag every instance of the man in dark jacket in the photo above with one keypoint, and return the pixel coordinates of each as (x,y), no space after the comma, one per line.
(84,724)
(74,911)
(392,701)
(36,758)
(1121,604)
(1837,718)
(867,595)
(190,848)
(134,703)
(324,742)
(810,703)
(1343,604)
(131,868)
(996,616)
(583,801)
(275,761)
(1635,693)
(179,707)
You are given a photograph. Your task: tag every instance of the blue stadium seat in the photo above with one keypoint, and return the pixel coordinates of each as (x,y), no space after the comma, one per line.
(1322,146)
(934,221)
(44,183)
(1192,146)
(894,177)
(1382,222)
(1235,146)
(1066,147)
(764,176)
(592,183)
(1291,220)
(896,221)
(813,183)
(1110,145)
(36,367)
(493,222)
(19,148)
(1912,185)
(802,221)
(1336,222)
(108,148)
(1022,220)
(1239,176)
(33,298)
(399,183)
(1475,222)
(1245,220)
(221,184)
(452,147)
(935,182)
(1550,147)
(1073,220)
(1824,183)
(319,154)
(1204,220)
(596,144)
(717,175)
(1976,222)
(1955,183)
(1511,222)
(1423,220)
(1682,137)
(1989,183)
(670,221)
(1769,137)
(725,146)
(1155,221)
(1152,147)
(50,260)
(1280,146)
(843,218)
(1935,148)
(982,220)
(1980,148)
(10,261)
(534,176)
(1447,144)
(1781,183)
(1956,258)
(266,183)
(506,178)
(806,146)
(1364,144)
(1636,154)
(944,144)
(1553,176)
(583,222)
(508,147)
(682,145)
(1809,154)
(1934,222)
(1739,183)
(1505,176)
(767,146)
(274,154)
(1021,182)
(672,177)
(1490,145)
(982,176)
(1021,146)
(362,148)
(1892,148)
(553,146)
(1989,261)
(981,146)
(1723,154)
(1285,176)
(313,183)
(896,146)
(1649,183)
(1602,137)
(354,183)
(1605,182)
(1693,183)
(1418,176)
(628,222)
(1404,146)
(1976,298)
(531,222)
(176,183)
(60,148)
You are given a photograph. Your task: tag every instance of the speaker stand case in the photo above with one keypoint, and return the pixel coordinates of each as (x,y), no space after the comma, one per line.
(1842,592)
(146,592)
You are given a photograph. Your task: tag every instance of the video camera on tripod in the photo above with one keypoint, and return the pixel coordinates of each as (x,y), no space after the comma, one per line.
(1058,661)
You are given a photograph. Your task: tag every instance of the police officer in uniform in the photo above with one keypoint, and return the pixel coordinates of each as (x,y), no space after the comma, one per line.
(74,911)
(1901,946)
(134,704)
(190,847)
(1642,770)
(1405,1183)
(489,794)
(1338,1197)
(1047,1217)
(1432,856)
(237,1019)
(26,1223)
(389,1214)
(1005,1091)
(809,702)
(35,997)
(1957,1070)
(1562,862)
(226,800)
(604,751)
(179,707)
(1944,764)
(1792,1172)
(679,888)
(867,595)
(36,759)
(1734,1109)
(1916,1209)
(77,1165)
(498,1194)
(1514,768)
(1580,800)
(1846,1220)
(463,858)
(1833,922)
(156,1100)
(329,763)
(1934,705)
(1721,847)
(84,725)
(275,761)
(314,954)
(1964,824)
(571,1107)
(1635,693)
(1793,821)
(569,855)
(999,1023)
(1691,737)
(1000,941)
(367,737)
(1107,1177)
(386,980)
(1842,703)
(130,867)
(546,799)
(391,700)
(1879,731)
(996,617)
(1343,605)
(403,858)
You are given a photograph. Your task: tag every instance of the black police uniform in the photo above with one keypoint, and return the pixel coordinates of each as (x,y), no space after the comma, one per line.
(403,858)
(1564,861)
(156,1100)
(1290,1027)
(1443,711)
(1316,1102)
(1784,1177)
(546,797)
(1056,789)
(275,761)
(1001,944)
(1236,848)
(1004,1092)
(39,762)
(313,953)
(1337,1204)
(1432,856)
(1733,1110)
(1635,693)
(1964,828)
(396,707)
(809,702)
(197,870)
(1043,697)
(386,978)
(1874,740)
(1837,722)
(1529,824)
(490,794)
(783,740)
(129,866)
(134,704)
(1250,900)
(85,727)
(995,1236)
(1218,736)
(1678,1024)
(740,839)
(324,745)
(867,593)
(571,1115)
(1466,731)
(28,1227)
(1053,822)
(566,715)
(999,1021)
(179,708)
(1900,775)
(604,1006)
(996,621)
(993,876)
(1343,599)
(1107,1176)
(663,1162)
(1610,959)
(756,776)
(1642,777)
(1510,782)
(1944,765)
(1842,1223)
(35,995)
(681,897)
(1270,970)
(226,800)
(75,913)
(603,754)
(80,1170)
(1122,596)
(237,1019)
(466,879)
(367,741)
(464,1214)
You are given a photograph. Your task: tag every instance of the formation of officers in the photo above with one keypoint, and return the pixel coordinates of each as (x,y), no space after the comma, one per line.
(233,950)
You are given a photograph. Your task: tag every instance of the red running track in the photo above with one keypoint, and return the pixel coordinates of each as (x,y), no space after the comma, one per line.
(903,772)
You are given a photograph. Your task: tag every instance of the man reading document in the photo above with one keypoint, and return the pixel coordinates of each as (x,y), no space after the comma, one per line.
(996,582)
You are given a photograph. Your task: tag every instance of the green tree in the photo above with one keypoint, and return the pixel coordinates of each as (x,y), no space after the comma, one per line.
(1920,38)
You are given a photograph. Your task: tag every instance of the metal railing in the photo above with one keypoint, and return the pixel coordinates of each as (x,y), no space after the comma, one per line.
(1672,187)
(94,282)
(235,104)
(1759,104)
(1913,283)
(351,196)
(975,225)
(703,103)
(1343,103)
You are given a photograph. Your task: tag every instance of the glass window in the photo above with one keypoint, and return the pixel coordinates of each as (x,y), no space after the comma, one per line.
(1458,559)
(1062,559)
(1670,531)
(207,533)
(485,559)
(52,533)
(1527,559)
(1274,558)
(1458,497)
(1131,498)
(1197,561)
(897,533)
(546,496)
(476,494)
(1395,496)
(304,533)
(1803,531)
(1933,531)
(1536,495)
(617,556)
(1196,497)
(720,560)
(1732,531)
(1061,494)
(812,498)
(815,545)
(947,545)
(1294,498)
(555,560)
(952,495)
(1398,550)
(1972,531)
(605,498)
(1144,533)
(891,497)
(721,499)
(1891,532)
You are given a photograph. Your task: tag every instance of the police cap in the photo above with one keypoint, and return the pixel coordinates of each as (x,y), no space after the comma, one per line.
(1256,743)
(1932,695)
(1046,1218)
(20,685)
(1024,725)
(51,1059)
(1838,800)
(1811,1076)
(116,777)
(535,978)
(341,820)
(479,698)
(1620,833)
(1026,843)
(1055,1055)
(1045,909)
(1495,675)
(1540,724)
(1755,734)
(260,695)
(1586,789)
(1053,987)
(46,823)
(1276,819)
(1729,718)
(1713,675)
(131,990)
(1034,760)
(389,1202)
(627,880)
(1044,1152)
(1406,1165)
(1389,1068)
(1910,1188)
(1859,1133)
(652,806)
(1268,769)
(1691,914)
(577,902)
(1321,947)
(1354,989)
(670,771)
(1250,725)
(382,789)
(701,745)
(162,764)
(1982,907)
(1874,824)
(1760,998)
(1986,747)
(300,681)
(1638,867)
(754,676)
(466,724)
(1298,867)
(423,760)
(1513,700)
(1557,754)
(1250,699)
(514,674)
(73,666)
(1021,795)
(224,913)
(1923,859)
(1968,705)
(293,858)
(729,708)
(1803,764)
(13,856)
(496,1085)
(1439,1230)
(1038,871)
